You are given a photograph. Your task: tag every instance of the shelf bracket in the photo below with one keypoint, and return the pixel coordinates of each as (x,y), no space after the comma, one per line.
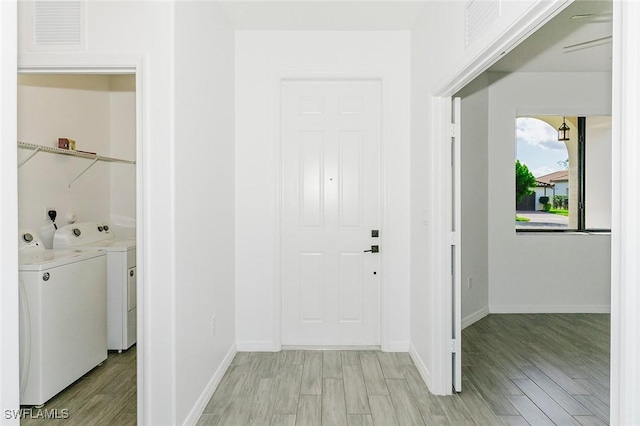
(95,160)
(79,154)
(37,150)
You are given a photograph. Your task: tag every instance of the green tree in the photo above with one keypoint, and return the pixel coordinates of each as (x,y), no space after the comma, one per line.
(524,181)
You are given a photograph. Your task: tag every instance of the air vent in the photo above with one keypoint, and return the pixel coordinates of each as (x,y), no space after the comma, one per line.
(479,16)
(58,25)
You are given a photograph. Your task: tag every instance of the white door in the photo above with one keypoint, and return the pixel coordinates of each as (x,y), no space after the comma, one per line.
(456,257)
(330,206)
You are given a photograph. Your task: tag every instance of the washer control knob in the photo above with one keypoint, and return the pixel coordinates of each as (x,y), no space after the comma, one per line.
(46,276)
(106,228)
(76,232)
(100,228)
(27,238)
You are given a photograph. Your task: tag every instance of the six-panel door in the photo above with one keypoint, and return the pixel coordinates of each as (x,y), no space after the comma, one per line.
(330,204)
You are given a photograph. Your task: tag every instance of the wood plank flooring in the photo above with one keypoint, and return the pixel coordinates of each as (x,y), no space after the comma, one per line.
(105,395)
(538,369)
(541,369)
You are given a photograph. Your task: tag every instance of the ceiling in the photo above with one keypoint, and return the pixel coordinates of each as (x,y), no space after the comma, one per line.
(323,15)
(544,50)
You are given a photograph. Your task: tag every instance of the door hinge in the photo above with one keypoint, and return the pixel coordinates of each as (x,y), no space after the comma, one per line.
(454,238)
(453,130)
(454,346)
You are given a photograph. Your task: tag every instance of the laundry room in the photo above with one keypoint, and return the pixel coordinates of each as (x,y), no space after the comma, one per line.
(97,115)
(77,193)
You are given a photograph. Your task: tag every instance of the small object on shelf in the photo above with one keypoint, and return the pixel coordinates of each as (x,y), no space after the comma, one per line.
(86,152)
(63,143)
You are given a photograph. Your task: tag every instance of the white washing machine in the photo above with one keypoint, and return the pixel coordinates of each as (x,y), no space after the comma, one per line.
(121,276)
(63,317)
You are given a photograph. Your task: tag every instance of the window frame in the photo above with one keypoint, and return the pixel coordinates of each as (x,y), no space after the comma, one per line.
(581,166)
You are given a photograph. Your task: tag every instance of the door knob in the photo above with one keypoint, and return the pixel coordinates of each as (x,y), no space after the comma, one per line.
(374,249)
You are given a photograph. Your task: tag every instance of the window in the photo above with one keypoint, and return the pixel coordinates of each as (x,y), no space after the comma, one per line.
(564,185)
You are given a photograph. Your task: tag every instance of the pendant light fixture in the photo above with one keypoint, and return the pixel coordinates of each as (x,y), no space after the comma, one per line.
(563,131)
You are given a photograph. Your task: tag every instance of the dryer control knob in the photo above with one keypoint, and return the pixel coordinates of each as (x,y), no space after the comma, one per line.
(76,232)
(100,228)
(106,228)
(71,217)
(27,237)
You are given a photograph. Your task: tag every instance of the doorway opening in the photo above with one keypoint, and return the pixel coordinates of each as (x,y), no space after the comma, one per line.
(78,191)
(539,284)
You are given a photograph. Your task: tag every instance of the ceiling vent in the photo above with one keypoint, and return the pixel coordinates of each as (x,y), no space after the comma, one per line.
(58,25)
(479,16)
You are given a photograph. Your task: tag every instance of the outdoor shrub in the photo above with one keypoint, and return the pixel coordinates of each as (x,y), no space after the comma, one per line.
(561,202)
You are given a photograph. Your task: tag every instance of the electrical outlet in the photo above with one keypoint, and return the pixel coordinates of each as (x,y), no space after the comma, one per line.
(46,213)
(214,326)
(469,283)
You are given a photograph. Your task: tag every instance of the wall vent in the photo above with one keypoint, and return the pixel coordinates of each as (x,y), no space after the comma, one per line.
(479,16)
(58,25)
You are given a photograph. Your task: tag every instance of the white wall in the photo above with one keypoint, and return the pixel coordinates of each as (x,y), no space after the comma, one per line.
(78,107)
(123,145)
(475,200)
(204,204)
(261,58)
(574,269)
(598,173)
(441,29)
(9,385)
(423,329)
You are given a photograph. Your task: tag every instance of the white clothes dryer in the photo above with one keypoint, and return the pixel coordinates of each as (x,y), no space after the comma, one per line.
(121,276)
(63,316)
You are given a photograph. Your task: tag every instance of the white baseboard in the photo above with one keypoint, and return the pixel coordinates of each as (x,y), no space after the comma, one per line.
(256,346)
(330,348)
(420,365)
(397,346)
(206,395)
(550,309)
(475,317)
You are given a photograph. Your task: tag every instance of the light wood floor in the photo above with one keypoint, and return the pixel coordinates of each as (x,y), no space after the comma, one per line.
(518,369)
(105,395)
(539,369)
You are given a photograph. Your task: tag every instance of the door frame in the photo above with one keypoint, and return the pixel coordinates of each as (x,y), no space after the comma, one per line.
(625,247)
(440,377)
(124,65)
(280,78)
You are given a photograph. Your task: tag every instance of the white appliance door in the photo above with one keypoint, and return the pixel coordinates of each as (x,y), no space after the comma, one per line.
(330,206)
(68,326)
